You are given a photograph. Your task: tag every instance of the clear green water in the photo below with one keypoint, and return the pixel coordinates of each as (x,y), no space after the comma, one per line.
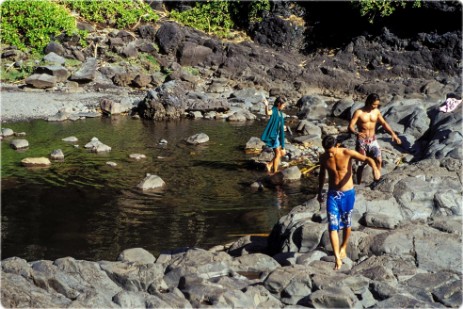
(86,209)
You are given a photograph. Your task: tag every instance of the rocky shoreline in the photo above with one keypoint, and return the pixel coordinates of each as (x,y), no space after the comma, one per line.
(405,251)
(405,248)
(406,233)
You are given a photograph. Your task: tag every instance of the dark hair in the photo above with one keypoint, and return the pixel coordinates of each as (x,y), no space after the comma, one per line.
(279,101)
(372,98)
(329,141)
(452,95)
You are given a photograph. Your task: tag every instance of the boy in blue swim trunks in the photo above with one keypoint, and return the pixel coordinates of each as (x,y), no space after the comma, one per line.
(340,200)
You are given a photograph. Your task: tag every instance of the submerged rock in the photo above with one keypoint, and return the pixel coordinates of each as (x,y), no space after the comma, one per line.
(36,162)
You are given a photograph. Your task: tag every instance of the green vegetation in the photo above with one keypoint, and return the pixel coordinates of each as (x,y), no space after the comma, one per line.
(149,63)
(210,17)
(220,17)
(32,23)
(11,73)
(256,8)
(373,8)
(192,70)
(116,13)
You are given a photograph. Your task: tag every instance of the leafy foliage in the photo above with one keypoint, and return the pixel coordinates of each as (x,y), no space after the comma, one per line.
(12,73)
(212,16)
(118,13)
(256,8)
(371,8)
(33,23)
(220,17)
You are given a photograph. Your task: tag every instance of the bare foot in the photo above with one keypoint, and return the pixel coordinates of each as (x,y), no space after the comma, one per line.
(338,264)
(342,253)
(268,166)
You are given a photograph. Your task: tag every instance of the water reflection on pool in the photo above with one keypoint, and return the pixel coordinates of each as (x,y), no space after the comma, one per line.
(84,208)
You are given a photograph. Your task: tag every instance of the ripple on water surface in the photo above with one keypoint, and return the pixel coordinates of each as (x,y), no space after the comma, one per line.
(84,208)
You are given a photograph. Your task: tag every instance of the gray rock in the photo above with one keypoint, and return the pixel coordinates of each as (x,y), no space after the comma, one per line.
(151,182)
(196,139)
(70,139)
(262,297)
(110,107)
(19,292)
(415,196)
(254,144)
(381,220)
(135,276)
(128,299)
(199,291)
(449,293)
(41,81)
(435,250)
(169,37)
(136,255)
(173,297)
(312,107)
(447,224)
(256,262)
(17,266)
(57,155)
(333,297)
(279,279)
(60,73)
(137,156)
(405,301)
(54,58)
(307,258)
(87,72)
(342,108)
(61,115)
(291,173)
(248,244)
(306,127)
(36,162)
(7,132)
(90,274)
(96,146)
(19,144)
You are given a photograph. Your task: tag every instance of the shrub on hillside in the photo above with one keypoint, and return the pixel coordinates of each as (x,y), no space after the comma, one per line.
(33,23)
(114,13)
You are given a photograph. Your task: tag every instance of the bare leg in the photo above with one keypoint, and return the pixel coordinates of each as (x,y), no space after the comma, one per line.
(379,162)
(334,238)
(276,159)
(359,173)
(343,249)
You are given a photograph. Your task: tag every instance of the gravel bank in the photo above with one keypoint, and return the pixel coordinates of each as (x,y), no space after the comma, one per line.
(24,105)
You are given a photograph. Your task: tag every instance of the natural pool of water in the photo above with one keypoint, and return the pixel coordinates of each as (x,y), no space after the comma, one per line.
(86,209)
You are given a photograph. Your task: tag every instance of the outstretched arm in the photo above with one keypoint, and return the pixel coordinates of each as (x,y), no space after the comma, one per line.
(268,111)
(386,126)
(321,182)
(358,156)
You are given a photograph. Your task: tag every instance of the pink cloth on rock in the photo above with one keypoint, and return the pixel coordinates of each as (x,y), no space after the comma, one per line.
(450,105)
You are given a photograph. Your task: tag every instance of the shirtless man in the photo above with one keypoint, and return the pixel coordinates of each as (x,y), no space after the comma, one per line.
(365,119)
(337,162)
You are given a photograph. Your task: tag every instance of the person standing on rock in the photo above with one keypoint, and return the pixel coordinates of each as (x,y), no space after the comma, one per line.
(365,119)
(274,133)
(337,161)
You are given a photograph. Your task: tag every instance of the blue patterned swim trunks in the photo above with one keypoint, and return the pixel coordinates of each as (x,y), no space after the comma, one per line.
(339,205)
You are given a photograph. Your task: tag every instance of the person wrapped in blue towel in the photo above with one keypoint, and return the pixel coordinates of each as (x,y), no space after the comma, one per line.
(274,133)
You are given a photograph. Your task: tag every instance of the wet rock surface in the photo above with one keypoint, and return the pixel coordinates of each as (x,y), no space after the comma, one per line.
(405,247)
